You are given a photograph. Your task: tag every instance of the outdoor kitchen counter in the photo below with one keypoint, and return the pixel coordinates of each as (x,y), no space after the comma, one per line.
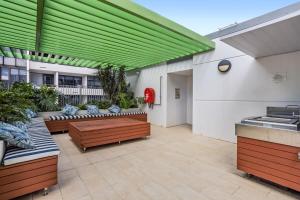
(274,135)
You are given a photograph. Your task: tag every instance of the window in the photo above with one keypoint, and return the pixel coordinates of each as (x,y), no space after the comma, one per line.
(22,75)
(14,75)
(70,80)
(93,82)
(48,79)
(4,73)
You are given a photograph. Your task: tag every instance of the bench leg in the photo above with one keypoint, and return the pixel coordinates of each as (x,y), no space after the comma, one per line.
(119,142)
(45,191)
(84,149)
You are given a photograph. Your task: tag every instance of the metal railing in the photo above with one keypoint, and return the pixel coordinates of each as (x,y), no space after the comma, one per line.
(75,95)
(80,91)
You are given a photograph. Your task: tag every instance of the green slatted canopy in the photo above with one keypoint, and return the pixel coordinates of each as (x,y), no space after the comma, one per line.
(48,58)
(93,32)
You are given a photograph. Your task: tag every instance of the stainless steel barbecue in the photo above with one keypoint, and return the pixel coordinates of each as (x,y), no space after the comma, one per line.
(278,117)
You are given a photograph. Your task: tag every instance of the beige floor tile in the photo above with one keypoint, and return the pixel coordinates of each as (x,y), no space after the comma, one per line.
(71,186)
(53,194)
(173,164)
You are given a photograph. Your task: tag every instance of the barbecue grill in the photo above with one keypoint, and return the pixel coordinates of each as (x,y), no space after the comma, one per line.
(277,117)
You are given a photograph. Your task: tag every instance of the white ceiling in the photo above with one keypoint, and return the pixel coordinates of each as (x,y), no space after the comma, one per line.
(275,37)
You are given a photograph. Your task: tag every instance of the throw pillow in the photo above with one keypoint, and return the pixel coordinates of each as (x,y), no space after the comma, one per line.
(114,109)
(15,136)
(92,110)
(70,110)
(21,125)
(30,114)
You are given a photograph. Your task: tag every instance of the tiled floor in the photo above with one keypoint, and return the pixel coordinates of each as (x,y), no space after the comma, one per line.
(171,165)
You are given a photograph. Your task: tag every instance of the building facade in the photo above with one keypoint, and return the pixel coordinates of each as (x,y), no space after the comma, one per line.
(77,85)
(211,101)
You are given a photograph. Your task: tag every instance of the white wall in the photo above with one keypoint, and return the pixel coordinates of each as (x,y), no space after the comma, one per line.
(151,78)
(176,108)
(220,100)
(63,69)
(189,106)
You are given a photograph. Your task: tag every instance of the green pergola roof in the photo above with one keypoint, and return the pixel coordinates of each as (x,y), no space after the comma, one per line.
(117,32)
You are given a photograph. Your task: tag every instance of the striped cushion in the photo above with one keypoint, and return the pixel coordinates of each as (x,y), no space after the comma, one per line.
(45,145)
(63,117)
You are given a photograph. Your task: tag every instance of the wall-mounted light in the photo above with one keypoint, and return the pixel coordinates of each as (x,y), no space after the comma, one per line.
(224,66)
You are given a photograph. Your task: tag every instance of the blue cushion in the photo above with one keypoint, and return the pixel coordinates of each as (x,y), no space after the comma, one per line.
(70,110)
(92,110)
(21,125)
(114,109)
(15,136)
(30,114)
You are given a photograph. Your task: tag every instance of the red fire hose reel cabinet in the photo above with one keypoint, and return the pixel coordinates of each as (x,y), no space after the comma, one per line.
(149,95)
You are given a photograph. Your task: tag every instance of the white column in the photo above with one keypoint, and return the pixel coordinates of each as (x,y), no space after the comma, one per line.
(84,85)
(27,69)
(56,75)
(84,81)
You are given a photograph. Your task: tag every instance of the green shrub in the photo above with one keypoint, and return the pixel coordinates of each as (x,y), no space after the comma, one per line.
(13,105)
(46,99)
(104,104)
(93,102)
(82,106)
(126,101)
(140,100)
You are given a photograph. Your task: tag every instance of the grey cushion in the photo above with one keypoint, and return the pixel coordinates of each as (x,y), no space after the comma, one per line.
(2,150)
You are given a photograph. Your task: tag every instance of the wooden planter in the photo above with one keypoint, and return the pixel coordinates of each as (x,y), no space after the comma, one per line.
(27,177)
(63,125)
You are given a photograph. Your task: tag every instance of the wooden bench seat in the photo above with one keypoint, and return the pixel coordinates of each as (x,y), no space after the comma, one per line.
(62,125)
(94,133)
(27,177)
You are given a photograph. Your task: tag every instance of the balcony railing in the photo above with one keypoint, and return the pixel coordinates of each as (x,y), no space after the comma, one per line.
(82,91)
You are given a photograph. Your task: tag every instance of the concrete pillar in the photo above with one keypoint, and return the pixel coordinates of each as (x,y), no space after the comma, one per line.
(84,81)
(84,85)
(56,77)
(27,69)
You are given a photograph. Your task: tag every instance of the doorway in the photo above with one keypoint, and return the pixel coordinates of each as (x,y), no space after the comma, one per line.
(180,98)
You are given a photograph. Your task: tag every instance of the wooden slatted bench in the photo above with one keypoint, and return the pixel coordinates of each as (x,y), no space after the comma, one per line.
(61,123)
(94,133)
(27,177)
(28,170)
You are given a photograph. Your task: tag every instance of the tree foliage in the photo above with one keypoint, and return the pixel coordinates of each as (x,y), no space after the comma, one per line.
(113,81)
(13,103)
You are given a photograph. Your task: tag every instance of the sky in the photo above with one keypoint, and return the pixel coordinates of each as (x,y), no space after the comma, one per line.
(208,16)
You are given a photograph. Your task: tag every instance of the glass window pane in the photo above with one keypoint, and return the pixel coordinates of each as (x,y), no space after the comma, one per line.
(48,79)
(14,72)
(23,72)
(14,75)
(4,74)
